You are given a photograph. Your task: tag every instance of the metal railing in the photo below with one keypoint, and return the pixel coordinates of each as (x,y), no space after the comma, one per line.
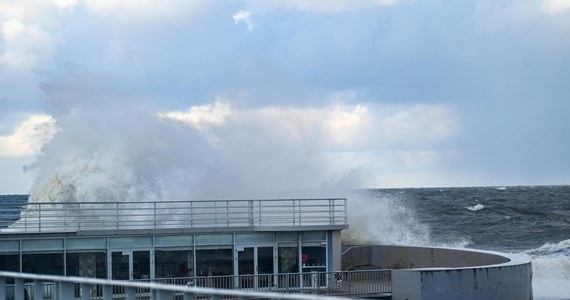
(78,216)
(342,283)
(20,286)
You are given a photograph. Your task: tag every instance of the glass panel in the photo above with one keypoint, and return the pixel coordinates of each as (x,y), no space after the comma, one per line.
(288,236)
(255,237)
(175,240)
(141,264)
(265,266)
(130,242)
(214,239)
(10,262)
(43,263)
(174,263)
(43,245)
(120,265)
(9,246)
(313,236)
(84,244)
(313,256)
(288,259)
(214,262)
(246,267)
(87,264)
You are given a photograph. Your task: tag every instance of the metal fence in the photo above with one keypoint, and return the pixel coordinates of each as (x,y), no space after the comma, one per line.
(19,286)
(341,283)
(81,216)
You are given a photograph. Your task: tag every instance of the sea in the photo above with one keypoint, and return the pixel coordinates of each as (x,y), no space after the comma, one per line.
(530,220)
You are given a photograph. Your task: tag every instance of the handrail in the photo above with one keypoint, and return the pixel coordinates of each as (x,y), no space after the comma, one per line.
(70,287)
(83,216)
(339,283)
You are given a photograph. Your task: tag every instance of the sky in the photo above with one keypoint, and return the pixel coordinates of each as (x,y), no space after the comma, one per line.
(399,93)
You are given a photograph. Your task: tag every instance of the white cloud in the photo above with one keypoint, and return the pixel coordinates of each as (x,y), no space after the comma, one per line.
(245,16)
(28,137)
(24,45)
(556,6)
(336,125)
(26,32)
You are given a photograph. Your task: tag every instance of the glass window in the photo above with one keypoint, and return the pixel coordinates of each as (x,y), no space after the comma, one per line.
(313,236)
(9,246)
(130,242)
(174,263)
(10,262)
(86,243)
(214,262)
(313,256)
(87,264)
(288,259)
(214,239)
(287,236)
(174,240)
(43,263)
(255,237)
(42,245)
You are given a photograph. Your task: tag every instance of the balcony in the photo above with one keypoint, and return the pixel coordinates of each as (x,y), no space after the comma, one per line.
(117,216)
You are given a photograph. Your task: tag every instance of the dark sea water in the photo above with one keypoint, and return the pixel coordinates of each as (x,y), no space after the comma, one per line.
(532,220)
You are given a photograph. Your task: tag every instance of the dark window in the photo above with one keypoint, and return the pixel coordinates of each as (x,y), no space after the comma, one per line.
(288,260)
(174,263)
(43,263)
(10,262)
(87,264)
(314,256)
(214,262)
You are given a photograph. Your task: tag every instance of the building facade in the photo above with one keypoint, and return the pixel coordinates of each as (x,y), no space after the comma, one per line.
(246,242)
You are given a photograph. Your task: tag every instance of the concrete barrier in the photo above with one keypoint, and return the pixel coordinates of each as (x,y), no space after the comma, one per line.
(445,273)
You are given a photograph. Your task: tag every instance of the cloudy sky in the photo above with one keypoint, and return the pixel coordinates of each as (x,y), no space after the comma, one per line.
(408,93)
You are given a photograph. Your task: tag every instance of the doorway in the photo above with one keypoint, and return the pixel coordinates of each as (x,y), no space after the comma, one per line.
(130,264)
(256,266)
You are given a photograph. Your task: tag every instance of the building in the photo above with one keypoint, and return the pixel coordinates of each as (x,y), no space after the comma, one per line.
(237,243)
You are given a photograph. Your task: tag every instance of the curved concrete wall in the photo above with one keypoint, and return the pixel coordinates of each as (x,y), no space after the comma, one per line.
(444,273)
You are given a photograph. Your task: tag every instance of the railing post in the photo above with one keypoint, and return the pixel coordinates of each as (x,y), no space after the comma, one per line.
(117,215)
(67,291)
(39,217)
(250,212)
(191,215)
(345,212)
(38,290)
(131,293)
(349,277)
(79,219)
(19,289)
(85,289)
(331,212)
(2,288)
(154,214)
(259,211)
(107,292)
(227,213)
(294,213)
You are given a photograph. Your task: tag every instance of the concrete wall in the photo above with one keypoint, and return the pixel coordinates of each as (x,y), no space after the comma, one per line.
(403,257)
(443,273)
